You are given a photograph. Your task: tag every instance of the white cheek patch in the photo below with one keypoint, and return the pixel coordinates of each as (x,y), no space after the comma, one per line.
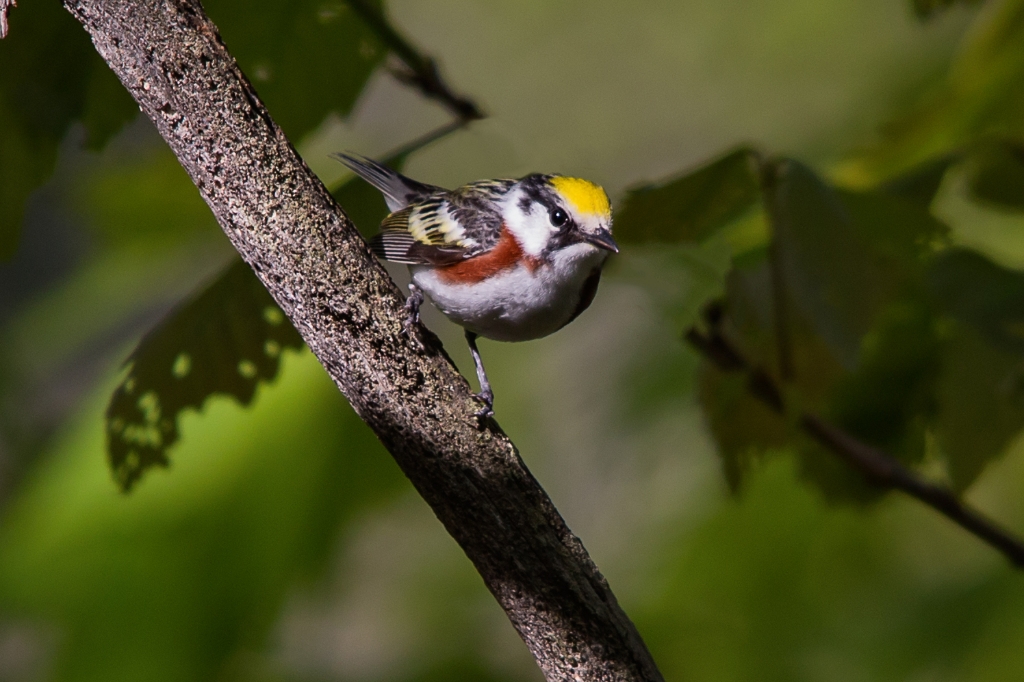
(532,230)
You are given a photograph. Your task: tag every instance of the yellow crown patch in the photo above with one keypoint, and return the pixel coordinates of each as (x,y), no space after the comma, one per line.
(585,196)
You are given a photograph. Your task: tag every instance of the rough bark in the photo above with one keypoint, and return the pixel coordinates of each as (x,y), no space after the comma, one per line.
(286,225)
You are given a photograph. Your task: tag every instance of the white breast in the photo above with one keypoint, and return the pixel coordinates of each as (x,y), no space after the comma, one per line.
(517,304)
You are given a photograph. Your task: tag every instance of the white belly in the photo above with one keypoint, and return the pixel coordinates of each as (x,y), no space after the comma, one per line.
(517,304)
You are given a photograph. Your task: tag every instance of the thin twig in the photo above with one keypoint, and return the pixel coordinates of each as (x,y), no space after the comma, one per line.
(396,155)
(419,70)
(879,468)
(426,139)
(4,6)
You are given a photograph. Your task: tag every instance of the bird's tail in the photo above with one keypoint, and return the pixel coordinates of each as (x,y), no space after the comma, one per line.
(398,190)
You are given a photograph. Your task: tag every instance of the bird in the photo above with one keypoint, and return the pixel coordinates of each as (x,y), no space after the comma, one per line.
(506,259)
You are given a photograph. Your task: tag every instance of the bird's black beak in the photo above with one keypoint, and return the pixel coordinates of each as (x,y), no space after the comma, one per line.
(602,239)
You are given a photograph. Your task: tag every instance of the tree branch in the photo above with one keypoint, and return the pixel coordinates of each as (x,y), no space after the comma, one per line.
(879,468)
(285,225)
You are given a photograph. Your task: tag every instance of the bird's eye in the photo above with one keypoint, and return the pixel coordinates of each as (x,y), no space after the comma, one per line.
(559,217)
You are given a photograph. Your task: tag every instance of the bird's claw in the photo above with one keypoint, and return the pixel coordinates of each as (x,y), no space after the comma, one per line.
(410,331)
(487,411)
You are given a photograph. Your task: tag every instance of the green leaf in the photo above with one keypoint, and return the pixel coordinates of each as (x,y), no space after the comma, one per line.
(226,340)
(981,395)
(904,234)
(307,58)
(827,268)
(980,403)
(845,255)
(920,184)
(51,76)
(977,291)
(995,174)
(692,207)
(742,426)
(142,196)
(888,401)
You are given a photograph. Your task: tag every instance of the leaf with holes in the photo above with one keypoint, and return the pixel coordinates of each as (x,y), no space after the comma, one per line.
(226,340)
(693,207)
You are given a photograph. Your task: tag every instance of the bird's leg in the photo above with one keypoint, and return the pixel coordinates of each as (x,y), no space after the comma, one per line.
(486,395)
(412,309)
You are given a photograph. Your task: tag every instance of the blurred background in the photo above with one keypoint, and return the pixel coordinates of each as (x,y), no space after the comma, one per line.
(282,543)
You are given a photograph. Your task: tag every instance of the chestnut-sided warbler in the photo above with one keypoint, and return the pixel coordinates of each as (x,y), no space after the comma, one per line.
(509,260)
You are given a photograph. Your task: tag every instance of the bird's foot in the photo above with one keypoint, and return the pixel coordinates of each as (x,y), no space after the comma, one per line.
(487,411)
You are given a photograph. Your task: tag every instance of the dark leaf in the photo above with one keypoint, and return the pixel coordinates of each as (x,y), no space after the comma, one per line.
(996,174)
(920,184)
(845,255)
(904,234)
(226,340)
(828,270)
(307,58)
(744,428)
(980,403)
(692,207)
(985,295)
(886,397)
(889,400)
(50,76)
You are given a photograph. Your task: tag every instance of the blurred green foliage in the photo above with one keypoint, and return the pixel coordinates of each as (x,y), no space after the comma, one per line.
(282,543)
(184,577)
(51,77)
(927,8)
(276,44)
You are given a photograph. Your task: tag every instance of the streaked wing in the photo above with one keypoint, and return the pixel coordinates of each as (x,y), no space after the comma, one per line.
(476,209)
(418,235)
(444,228)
